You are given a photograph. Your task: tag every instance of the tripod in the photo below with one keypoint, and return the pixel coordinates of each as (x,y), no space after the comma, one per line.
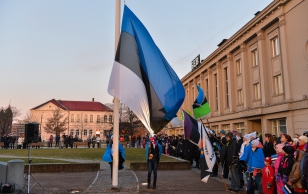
(27,177)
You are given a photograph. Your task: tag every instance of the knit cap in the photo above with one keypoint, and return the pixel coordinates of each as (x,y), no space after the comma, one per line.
(255,142)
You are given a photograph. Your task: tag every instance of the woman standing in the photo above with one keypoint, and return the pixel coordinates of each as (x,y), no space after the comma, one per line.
(50,140)
(286,139)
(268,148)
(153,153)
(108,155)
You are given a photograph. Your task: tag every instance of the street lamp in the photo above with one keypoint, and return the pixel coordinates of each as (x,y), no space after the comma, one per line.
(41,122)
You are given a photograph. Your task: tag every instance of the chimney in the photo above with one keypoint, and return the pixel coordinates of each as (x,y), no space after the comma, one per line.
(92,99)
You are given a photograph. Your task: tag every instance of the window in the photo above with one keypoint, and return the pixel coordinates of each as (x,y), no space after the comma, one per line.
(110,119)
(72,118)
(207,89)
(240,96)
(226,127)
(227,88)
(105,119)
(98,119)
(256,91)
(85,132)
(278,84)
(91,118)
(78,118)
(254,56)
(240,127)
(72,132)
(275,46)
(215,128)
(85,118)
(90,132)
(216,92)
(77,132)
(238,67)
(279,125)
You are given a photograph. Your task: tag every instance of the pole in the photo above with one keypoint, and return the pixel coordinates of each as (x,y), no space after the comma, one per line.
(115,146)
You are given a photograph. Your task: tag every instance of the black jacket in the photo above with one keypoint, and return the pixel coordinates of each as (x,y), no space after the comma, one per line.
(268,149)
(228,153)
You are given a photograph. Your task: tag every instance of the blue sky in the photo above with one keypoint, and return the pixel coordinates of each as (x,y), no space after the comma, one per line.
(64,49)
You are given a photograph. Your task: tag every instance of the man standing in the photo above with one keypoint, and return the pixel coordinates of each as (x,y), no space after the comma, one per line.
(57,140)
(153,153)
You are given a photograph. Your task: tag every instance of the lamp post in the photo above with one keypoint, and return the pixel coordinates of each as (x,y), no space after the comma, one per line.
(41,123)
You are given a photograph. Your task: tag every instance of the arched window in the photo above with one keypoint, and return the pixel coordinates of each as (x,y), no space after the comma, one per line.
(78,118)
(91,118)
(110,119)
(98,119)
(72,118)
(105,119)
(85,118)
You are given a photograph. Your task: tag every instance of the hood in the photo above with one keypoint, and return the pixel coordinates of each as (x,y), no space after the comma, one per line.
(300,156)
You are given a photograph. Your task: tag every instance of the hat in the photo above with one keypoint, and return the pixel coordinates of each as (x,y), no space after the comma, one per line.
(268,160)
(254,135)
(235,132)
(247,136)
(279,147)
(288,149)
(222,131)
(255,142)
(213,131)
(303,138)
(305,132)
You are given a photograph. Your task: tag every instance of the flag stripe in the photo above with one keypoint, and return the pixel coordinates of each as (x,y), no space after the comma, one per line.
(130,89)
(191,129)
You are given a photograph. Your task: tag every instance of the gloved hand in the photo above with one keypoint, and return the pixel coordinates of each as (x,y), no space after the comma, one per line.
(278,177)
(284,179)
(269,185)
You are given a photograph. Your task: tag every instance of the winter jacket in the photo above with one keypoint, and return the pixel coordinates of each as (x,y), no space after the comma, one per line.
(286,165)
(257,159)
(295,177)
(229,153)
(268,149)
(246,157)
(268,179)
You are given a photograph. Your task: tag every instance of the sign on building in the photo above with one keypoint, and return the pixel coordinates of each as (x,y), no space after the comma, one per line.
(195,63)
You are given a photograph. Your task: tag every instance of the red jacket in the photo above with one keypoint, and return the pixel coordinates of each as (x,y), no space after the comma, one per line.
(268,174)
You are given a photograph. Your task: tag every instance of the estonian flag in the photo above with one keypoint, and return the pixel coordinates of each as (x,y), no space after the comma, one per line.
(201,106)
(142,78)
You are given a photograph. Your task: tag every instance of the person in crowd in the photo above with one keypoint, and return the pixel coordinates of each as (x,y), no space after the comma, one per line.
(57,140)
(133,140)
(196,155)
(286,139)
(257,164)
(108,155)
(179,148)
(223,141)
(50,141)
(229,156)
(153,153)
(12,142)
(39,140)
(71,141)
(268,147)
(296,135)
(302,141)
(278,139)
(89,140)
(138,141)
(285,165)
(187,147)
(143,142)
(295,178)
(295,143)
(222,137)
(93,141)
(268,177)
(66,141)
(98,141)
(279,156)
(20,141)
(167,147)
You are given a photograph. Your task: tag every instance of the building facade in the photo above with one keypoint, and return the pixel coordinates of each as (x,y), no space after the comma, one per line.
(84,117)
(257,80)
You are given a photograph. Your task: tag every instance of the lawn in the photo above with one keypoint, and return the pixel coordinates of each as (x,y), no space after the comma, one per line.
(132,154)
(37,160)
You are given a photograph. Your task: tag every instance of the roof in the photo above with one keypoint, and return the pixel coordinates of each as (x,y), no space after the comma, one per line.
(77,105)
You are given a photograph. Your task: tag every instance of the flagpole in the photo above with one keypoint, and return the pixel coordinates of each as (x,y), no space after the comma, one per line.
(115,146)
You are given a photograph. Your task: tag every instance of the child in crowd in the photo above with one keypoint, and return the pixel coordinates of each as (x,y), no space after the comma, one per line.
(257,162)
(268,174)
(279,183)
(285,165)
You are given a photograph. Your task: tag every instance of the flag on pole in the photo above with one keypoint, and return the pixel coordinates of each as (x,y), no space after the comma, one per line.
(191,128)
(207,155)
(198,135)
(142,78)
(201,106)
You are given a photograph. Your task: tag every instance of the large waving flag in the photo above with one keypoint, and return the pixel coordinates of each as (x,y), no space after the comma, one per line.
(142,78)
(198,135)
(201,106)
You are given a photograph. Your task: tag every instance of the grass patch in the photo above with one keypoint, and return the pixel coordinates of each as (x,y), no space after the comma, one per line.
(37,161)
(132,154)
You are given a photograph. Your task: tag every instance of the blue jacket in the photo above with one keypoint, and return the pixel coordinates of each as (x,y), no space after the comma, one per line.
(160,149)
(107,155)
(246,157)
(257,159)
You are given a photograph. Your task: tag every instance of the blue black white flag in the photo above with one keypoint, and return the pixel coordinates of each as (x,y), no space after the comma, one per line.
(142,78)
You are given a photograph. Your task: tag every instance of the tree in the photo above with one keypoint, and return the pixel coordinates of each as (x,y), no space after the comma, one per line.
(7,116)
(81,125)
(56,124)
